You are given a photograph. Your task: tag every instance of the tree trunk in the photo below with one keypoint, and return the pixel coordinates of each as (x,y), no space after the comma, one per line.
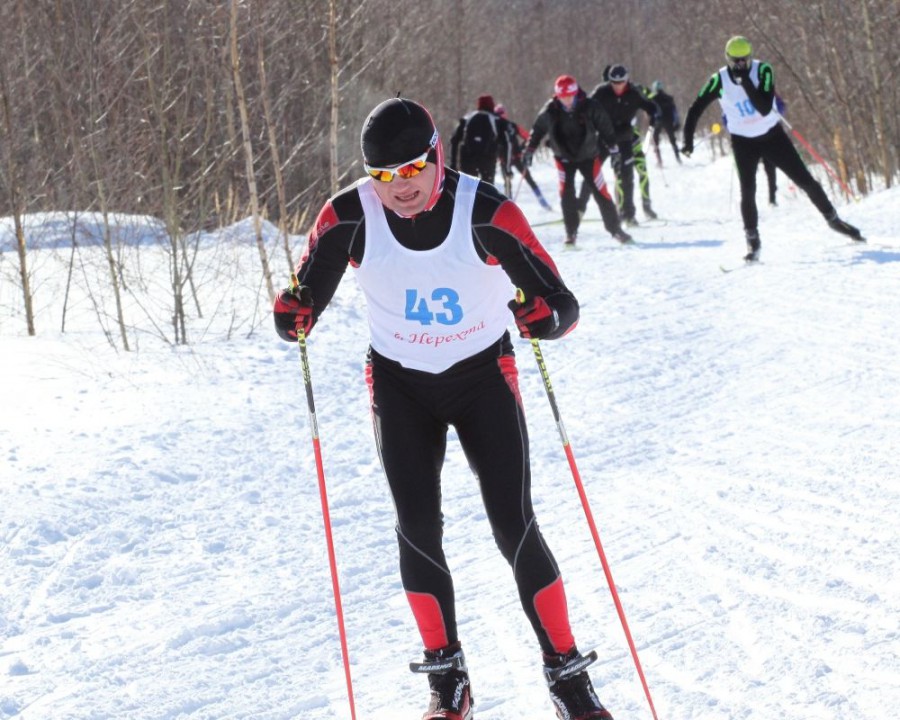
(17,206)
(335,95)
(877,93)
(248,151)
(273,145)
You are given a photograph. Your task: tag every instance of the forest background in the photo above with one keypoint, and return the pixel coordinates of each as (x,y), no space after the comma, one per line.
(203,113)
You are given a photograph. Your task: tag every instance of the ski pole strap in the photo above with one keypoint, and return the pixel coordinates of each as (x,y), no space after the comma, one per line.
(573,667)
(440,666)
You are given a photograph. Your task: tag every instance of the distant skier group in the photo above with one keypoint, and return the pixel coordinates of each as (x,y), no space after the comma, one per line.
(435,250)
(584,129)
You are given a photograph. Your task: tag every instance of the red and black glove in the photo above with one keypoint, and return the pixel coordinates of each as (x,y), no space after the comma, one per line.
(534,318)
(293,311)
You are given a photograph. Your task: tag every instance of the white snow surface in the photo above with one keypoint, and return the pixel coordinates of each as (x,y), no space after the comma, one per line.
(163,550)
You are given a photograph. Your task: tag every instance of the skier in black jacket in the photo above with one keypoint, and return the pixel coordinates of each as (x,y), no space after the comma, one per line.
(745,89)
(621,100)
(666,120)
(475,145)
(512,147)
(437,255)
(580,136)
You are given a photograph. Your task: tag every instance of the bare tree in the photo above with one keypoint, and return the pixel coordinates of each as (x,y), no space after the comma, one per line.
(145,106)
(16,201)
(272,134)
(879,92)
(335,95)
(248,149)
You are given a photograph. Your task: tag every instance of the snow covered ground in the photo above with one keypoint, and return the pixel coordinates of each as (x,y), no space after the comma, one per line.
(163,552)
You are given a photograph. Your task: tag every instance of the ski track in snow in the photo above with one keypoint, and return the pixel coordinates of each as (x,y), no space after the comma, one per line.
(163,553)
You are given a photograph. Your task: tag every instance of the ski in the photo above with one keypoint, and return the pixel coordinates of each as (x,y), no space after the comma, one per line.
(876,245)
(864,243)
(574,247)
(853,244)
(559,220)
(731,268)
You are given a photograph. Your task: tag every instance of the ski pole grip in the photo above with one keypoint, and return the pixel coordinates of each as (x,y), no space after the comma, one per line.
(301,291)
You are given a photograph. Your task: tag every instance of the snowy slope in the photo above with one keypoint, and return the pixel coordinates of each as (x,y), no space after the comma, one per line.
(163,553)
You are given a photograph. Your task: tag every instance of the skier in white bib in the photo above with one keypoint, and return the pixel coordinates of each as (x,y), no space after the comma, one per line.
(438,255)
(745,88)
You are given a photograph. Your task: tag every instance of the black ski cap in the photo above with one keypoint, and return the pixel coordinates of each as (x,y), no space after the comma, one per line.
(397,131)
(618,73)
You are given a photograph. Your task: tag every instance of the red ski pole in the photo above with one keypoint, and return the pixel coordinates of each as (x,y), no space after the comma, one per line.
(326,516)
(551,396)
(802,140)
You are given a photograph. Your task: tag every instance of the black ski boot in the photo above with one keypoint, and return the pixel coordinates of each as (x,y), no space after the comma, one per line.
(448,678)
(844,228)
(753,246)
(623,237)
(571,691)
(648,211)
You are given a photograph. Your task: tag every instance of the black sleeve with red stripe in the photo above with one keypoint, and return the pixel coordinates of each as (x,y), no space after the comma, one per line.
(336,241)
(503,237)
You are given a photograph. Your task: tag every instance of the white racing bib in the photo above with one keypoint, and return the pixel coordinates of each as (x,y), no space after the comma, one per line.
(429,309)
(742,118)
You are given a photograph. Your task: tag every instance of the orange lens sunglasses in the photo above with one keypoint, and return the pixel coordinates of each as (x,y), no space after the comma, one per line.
(407,170)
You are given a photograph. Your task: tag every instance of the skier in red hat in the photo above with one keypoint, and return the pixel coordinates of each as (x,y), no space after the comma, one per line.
(578,130)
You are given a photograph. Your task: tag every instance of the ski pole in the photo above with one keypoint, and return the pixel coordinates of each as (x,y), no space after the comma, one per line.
(551,396)
(818,157)
(507,178)
(519,186)
(663,175)
(326,516)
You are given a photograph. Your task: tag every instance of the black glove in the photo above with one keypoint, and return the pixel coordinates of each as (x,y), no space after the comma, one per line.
(293,311)
(528,157)
(741,75)
(534,318)
(615,159)
(687,148)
